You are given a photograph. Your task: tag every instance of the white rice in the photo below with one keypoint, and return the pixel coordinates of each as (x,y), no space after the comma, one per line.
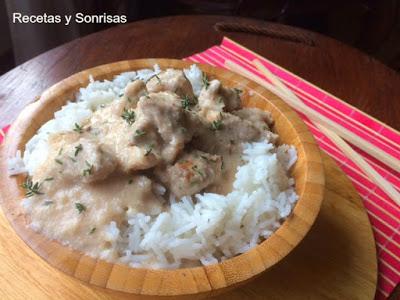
(216,227)
(206,228)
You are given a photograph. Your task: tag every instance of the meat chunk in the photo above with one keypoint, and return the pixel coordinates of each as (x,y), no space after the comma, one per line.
(231,98)
(155,131)
(171,80)
(226,133)
(161,128)
(116,126)
(215,98)
(132,93)
(193,172)
(75,158)
(260,119)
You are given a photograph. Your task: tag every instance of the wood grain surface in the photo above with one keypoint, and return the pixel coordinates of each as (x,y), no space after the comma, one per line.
(308,173)
(340,69)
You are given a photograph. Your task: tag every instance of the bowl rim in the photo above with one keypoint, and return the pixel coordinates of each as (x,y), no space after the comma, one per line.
(163,282)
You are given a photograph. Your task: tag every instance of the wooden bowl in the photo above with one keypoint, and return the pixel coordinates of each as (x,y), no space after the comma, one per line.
(188,282)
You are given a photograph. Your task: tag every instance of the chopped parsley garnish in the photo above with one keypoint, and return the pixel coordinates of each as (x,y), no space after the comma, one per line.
(139,132)
(196,169)
(47,203)
(60,151)
(216,125)
(31,188)
(156,76)
(129,116)
(205,81)
(49,179)
(78,149)
(194,182)
(92,230)
(186,103)
(58,161)
(121,94)
(130,181)
(212,159)
(183,130)
(80,207)
(88,170)
(78,128)
(238,91)
(149,149)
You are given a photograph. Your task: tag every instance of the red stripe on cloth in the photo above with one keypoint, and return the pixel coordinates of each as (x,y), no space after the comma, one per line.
(383,213)
(313,100)
(384,129)
(3,131)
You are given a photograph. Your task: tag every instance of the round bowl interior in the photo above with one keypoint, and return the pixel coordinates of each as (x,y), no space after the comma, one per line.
(187,282)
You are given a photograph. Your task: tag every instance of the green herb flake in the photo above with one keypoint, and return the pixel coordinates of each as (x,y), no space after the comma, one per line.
(238,91)
(216,125)
(31,188)
(195,168)
(194,182)
(60,151)
(186,103)
(47,203)
(49,179)
(204,157)
(58,161)
(92,230)
(206,82)
(149,149)
(78,149)
(88,170)
(78,128)
(129,116)
(80,207)
(183,130)
(130,181)
(139,133)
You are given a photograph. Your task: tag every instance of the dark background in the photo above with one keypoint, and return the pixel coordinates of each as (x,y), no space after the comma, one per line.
(372,26)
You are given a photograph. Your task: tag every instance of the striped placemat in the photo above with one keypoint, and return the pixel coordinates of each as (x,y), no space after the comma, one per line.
(382,211)
(384,214)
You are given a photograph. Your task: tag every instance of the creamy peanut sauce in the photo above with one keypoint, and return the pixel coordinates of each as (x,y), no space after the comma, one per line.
(157,140)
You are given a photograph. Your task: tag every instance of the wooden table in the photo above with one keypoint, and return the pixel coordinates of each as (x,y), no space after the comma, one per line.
(341,70)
